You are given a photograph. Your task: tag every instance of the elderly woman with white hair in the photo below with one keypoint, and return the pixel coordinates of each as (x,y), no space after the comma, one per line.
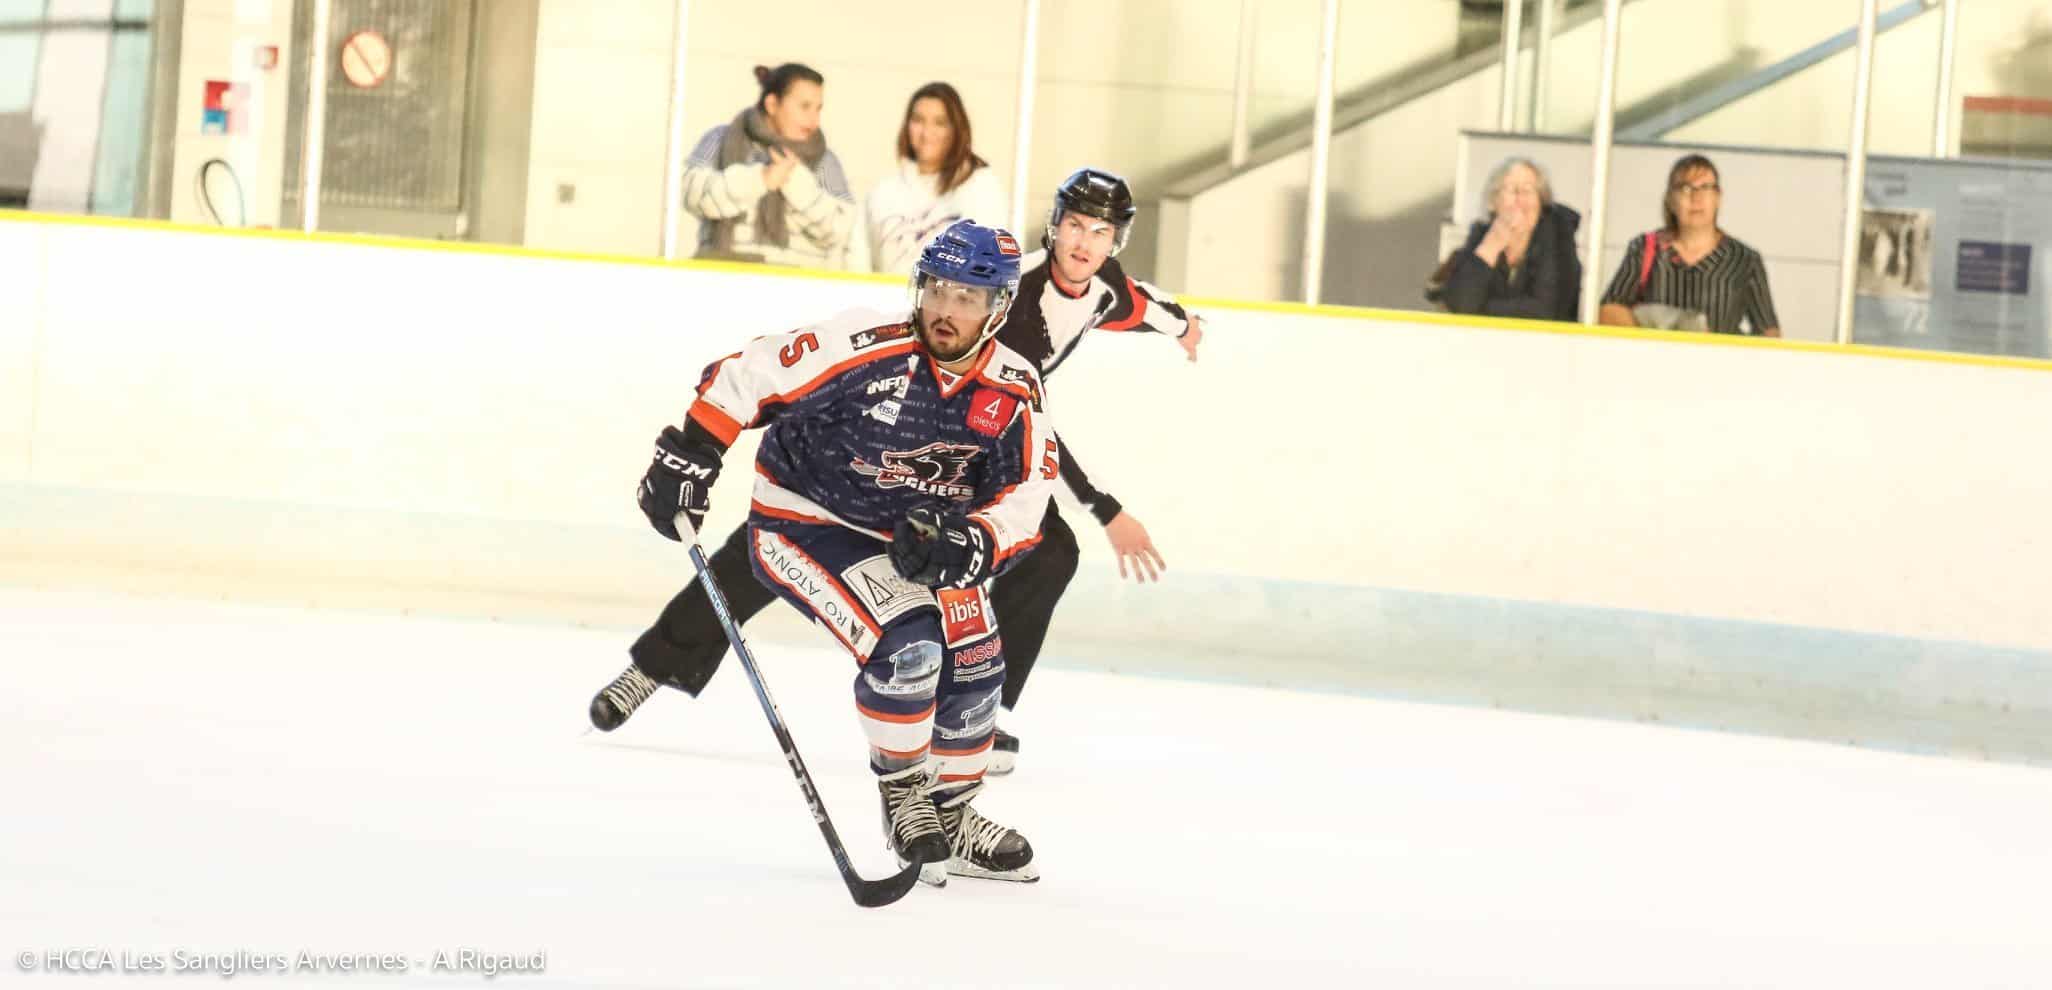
(1521,260)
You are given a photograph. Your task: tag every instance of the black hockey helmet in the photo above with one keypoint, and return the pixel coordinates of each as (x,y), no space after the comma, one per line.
(1094,193)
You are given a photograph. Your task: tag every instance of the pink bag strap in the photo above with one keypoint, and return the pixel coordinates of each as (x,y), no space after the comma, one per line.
(1650,248)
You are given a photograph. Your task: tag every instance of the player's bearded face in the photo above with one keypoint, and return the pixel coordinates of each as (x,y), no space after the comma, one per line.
(951,317)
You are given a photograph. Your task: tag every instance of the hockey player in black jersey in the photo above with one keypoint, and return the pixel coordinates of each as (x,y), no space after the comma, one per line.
(1074,285)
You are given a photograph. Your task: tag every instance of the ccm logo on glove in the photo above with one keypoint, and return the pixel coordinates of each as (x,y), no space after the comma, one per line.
(679,480)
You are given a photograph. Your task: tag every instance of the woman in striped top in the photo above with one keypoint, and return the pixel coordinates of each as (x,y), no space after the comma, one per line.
(1697,277)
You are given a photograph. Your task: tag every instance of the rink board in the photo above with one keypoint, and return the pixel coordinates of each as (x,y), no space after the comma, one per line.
(1840,544)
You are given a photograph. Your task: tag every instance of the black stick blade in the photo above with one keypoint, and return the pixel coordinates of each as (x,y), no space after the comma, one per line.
(877,893)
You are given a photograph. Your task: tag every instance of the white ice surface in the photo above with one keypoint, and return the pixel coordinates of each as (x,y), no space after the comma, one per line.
(207,777)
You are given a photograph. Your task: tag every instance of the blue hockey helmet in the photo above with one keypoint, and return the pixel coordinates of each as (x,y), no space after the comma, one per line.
(970,254)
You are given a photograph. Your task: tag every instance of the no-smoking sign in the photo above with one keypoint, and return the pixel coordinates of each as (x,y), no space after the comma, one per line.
(366,59)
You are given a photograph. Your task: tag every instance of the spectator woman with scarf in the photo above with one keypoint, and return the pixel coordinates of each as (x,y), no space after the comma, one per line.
(764,184)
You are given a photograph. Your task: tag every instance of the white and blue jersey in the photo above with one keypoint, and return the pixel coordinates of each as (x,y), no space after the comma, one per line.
(863,426)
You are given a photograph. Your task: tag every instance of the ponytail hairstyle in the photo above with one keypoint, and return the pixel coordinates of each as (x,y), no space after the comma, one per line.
(778,81)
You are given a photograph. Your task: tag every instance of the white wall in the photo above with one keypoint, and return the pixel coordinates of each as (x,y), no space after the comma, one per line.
(2004,49)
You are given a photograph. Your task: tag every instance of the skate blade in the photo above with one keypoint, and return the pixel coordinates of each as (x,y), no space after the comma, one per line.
(999,764)
(963,868)
(930,874)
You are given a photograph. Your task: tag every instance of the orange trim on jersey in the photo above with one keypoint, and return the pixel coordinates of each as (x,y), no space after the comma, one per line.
(713,370)
(767,476)
(909,754)
(1016,549)
(1026,451)
(1026,442)
(995,499)
(1013,389)
(716,422)
(787,515)
(894,350)
(1054,280)
(1139,309)
(1001,554)
(955,778)
(923,715)
(971,751)
(974,374)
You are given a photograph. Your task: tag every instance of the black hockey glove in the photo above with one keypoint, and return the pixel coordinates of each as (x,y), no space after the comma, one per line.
(678,480)
(941,551)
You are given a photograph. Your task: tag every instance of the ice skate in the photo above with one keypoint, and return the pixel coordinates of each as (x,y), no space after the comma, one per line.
(980,847)
(1004,753)
(913,824)
(611,707)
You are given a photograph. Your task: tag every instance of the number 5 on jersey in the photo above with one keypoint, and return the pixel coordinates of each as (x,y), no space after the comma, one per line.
(1051,461)
(795,351)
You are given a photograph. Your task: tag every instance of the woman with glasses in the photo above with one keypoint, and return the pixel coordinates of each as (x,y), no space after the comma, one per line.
(1690,274)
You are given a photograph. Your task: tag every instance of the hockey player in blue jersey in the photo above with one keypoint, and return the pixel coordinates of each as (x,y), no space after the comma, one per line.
(905,463)
(1076,289)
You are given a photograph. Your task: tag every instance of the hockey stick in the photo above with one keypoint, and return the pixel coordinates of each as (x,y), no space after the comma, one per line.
(868,893)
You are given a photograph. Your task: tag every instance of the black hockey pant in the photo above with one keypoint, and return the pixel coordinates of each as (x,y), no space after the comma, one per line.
(685,646)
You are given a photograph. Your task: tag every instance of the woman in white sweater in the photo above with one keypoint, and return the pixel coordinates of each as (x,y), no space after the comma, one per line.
(939,181)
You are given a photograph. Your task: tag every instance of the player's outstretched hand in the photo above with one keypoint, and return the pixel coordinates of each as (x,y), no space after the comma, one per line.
(1193,337)
(940,551)
(1131,543)
(679,479)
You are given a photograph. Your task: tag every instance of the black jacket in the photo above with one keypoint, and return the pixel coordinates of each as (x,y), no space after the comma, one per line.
(1548,286)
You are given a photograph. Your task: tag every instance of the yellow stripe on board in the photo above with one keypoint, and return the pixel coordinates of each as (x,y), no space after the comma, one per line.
(1624,333)
(1432,318)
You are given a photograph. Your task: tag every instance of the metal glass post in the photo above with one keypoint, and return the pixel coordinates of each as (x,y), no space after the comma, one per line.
(1856,172)
(1243,85)
(1507,99)
(1321,154)
(1542,63)
(312,145)
(1022,143)
(1948,44)
(673,160)
(1599,147)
